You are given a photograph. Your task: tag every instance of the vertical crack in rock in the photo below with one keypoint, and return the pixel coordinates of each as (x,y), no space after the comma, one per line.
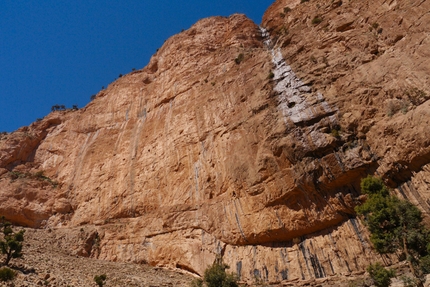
(266,273)
(80,159)
(238,222)
(339,161)
(354,224)
(239,269)
(304,250)
(417,196)
(300,264)
(316,264)
(133,157)
(196,178)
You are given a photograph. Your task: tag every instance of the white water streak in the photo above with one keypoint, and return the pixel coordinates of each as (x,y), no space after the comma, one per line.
(291,90)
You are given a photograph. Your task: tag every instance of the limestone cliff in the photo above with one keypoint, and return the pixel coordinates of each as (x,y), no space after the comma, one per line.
(243,141)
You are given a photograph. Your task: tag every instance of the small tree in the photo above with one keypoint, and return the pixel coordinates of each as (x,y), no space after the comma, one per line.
(100,279)
(380,276)
(55,108)
(11,245)
(395,225)
(216,276)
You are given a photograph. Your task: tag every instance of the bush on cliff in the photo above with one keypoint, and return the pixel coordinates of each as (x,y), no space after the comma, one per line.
(380,276)
(239,58)
(395,225)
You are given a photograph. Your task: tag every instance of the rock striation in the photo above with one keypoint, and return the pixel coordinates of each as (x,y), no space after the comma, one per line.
(239,140)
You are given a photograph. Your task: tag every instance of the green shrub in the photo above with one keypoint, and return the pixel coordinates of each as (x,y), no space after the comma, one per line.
(425,264)
(7,274)
(404,107)
(239,58)
(335,133)
(100,279)
(287,9)
(316,20)
(380,276)
(373,185)
(196,283)
(216,276)
(17,174)
(271,75)
(40,174)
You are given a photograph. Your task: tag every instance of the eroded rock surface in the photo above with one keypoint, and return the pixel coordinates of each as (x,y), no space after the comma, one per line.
(240,141)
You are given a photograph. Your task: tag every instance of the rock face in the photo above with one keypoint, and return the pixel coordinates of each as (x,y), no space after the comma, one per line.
(242,141)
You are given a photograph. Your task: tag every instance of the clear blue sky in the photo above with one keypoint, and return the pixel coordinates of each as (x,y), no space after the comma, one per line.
(62,52)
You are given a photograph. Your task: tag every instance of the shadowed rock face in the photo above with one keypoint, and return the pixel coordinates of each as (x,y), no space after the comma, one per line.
(241,141)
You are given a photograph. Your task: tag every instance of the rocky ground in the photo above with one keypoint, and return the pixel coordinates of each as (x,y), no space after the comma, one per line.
(47,263)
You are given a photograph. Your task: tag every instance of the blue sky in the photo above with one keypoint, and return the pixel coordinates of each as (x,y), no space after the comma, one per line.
(62,52)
